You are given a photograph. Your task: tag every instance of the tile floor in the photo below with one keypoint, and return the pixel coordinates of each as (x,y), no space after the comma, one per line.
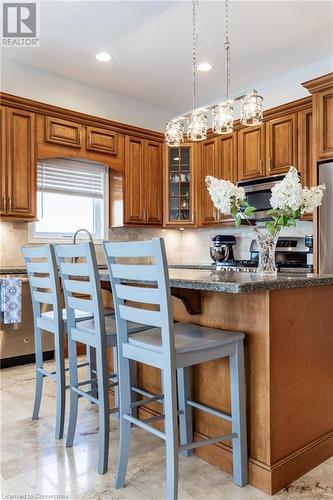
(36,466)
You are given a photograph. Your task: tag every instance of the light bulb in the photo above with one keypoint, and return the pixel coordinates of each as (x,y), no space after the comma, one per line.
(197,126)
(251,109)
(174,133)
(223,118)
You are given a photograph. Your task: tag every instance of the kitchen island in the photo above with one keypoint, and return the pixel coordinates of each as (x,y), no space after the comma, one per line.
(288,326)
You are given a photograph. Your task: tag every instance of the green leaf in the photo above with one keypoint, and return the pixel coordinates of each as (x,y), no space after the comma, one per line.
(234,211)
(238,220)
(271,227)
(249,210)
(243,203)
(271,211)
(282,220)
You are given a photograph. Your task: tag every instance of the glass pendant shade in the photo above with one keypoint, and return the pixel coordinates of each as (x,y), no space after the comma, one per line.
(197,126)
(174,133)
(251,109)
(223,118)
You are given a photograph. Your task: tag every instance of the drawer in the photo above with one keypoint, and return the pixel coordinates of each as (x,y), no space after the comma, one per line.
(102,140)
(63,132)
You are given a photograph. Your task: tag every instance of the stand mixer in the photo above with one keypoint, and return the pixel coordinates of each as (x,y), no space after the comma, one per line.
(222,248)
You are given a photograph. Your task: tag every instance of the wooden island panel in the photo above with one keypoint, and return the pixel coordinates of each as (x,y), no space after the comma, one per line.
(288,355)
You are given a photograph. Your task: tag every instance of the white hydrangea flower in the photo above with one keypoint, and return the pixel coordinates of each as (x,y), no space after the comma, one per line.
(224,193)
(287,194)
(311,198)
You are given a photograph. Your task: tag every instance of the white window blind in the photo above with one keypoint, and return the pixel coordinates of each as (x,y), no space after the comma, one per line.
(71,177)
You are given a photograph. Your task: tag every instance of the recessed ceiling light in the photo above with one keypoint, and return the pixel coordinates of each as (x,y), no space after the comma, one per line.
(204,66)
(103,57)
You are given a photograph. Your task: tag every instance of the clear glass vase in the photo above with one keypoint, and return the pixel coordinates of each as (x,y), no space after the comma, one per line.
(266,248)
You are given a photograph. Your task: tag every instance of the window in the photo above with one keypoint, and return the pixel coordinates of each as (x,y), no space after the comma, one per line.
(70,195)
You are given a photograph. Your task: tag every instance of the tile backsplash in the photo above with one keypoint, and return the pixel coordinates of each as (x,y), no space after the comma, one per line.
(190,246)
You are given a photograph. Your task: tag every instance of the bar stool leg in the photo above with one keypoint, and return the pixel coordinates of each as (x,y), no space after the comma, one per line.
(91,355)
(185,417)
(39,375)
(171,432)
(103,413)
(60,385)
(125,426)
(115,370)
(238,410)
(74,397)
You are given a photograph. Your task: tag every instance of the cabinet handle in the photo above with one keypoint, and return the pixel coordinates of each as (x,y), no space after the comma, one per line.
(261,166)
(9,204)
(270,164)
(4,204)
(144,214)
(147,214)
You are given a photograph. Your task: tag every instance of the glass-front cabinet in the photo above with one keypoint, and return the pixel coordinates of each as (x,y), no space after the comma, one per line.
(179,182)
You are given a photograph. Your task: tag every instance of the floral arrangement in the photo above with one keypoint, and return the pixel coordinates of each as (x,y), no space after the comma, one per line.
(288,201)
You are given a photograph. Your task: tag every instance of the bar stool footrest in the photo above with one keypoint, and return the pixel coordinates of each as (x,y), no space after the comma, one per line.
(205,442)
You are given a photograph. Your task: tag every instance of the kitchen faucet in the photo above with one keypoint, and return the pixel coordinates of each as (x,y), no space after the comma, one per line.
(80,231)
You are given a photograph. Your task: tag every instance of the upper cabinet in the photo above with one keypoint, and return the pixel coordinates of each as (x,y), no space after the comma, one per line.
(209,166)
(18,166)
(143,182)
(281,144)
(251,152)
(63,132)
(322,117)
(179,186)
(102,140)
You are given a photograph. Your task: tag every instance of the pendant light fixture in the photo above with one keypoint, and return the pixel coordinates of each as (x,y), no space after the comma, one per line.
(251,104)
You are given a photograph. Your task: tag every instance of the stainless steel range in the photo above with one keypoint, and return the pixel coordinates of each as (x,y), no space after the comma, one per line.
(291,257)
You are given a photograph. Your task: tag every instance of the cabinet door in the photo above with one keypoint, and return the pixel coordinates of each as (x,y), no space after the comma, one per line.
(251,152)
(134,209)
(63,132)
(305,140)
(21,164)
(153,182)
(227,152)
(209,166)
(3,192)
(325,123)
(102,140)
(281,144)
(180,185)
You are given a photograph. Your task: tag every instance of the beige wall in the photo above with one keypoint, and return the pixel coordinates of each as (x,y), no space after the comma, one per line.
(190,246)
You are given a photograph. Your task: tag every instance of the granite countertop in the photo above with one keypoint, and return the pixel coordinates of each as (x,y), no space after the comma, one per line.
(204,277)
(238,282)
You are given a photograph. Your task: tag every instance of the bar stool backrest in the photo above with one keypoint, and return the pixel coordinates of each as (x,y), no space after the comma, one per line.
(44,285)
(144,283)
(81,284)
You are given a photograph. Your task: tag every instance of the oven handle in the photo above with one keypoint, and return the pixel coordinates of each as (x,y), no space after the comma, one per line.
(259,187)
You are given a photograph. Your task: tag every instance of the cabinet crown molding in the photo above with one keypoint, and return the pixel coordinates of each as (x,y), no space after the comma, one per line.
(320,83)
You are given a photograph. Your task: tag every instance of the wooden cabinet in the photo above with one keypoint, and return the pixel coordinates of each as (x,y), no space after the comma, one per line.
(305,142)
(18,169)
(143,182)
(63,132)
(101,140)
(219,159)
(281,144)
(179,186)
(325,123)
(153,180)
(209,166)
(251,152)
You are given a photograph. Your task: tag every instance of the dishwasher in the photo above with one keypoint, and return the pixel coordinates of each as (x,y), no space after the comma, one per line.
(17,346)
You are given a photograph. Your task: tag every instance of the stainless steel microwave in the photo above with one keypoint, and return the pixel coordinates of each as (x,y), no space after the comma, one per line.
(258,193)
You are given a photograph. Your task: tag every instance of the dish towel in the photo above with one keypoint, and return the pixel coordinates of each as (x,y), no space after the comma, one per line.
(11,299)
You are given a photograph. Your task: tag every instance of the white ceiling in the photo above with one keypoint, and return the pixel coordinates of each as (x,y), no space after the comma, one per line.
(151,45)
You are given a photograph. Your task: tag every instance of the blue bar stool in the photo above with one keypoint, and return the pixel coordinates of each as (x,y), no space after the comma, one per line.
(45,290)
(172,348)
(82,291)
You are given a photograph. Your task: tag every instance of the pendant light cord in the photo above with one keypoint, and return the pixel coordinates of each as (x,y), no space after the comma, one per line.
(226,47)
(195,4)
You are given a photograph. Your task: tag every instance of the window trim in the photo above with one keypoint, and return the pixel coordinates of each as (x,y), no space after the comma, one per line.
(67,238)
